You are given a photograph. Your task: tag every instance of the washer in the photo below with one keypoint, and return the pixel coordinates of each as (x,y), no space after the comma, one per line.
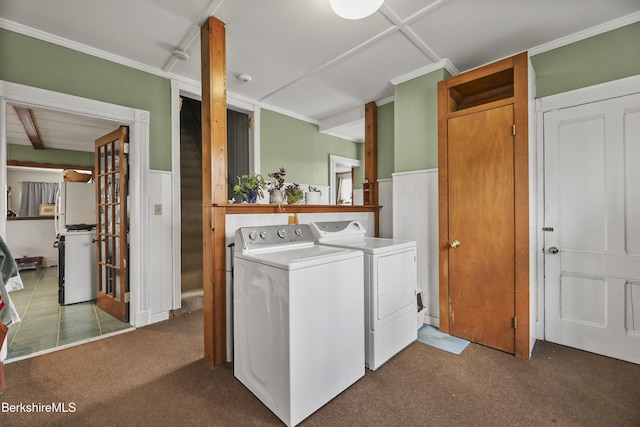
(390,274)
(298,318)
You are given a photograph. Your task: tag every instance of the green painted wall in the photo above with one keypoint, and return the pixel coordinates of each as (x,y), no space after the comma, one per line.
(385,140)
(416,122)
(32,62)
(300,148)
(26,153)
(598,59)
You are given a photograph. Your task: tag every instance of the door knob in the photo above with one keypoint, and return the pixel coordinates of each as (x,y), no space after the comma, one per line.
(454,244)
(553,250)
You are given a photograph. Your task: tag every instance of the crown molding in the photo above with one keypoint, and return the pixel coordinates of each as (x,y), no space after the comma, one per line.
(585,34)
(445,63)
(83,48)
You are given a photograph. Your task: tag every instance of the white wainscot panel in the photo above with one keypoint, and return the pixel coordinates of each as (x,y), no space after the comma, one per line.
(415,217)
(385,199)
(160,246)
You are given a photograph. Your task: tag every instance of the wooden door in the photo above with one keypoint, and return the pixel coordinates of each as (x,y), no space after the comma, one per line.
(112,230)
(592,242)
(481,227)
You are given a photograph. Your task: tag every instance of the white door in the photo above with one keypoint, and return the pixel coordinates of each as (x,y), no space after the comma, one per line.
(592,223)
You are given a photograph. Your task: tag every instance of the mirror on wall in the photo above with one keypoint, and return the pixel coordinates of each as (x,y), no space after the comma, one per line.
(341,172)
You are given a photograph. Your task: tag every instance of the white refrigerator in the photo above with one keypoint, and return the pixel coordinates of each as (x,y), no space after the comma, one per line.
(75,206)
(75,219)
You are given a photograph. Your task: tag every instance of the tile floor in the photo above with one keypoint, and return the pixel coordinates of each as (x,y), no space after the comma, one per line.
(45,324)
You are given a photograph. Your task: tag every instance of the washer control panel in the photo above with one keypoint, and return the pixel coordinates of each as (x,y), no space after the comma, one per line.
(248,238)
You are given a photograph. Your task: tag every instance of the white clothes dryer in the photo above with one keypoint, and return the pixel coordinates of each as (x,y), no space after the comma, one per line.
(298,318)
(390,275)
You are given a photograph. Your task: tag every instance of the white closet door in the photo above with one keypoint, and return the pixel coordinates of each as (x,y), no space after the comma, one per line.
(592,203)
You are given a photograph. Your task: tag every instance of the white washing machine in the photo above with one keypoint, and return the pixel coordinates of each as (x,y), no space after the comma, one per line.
(390,275)
(298,318)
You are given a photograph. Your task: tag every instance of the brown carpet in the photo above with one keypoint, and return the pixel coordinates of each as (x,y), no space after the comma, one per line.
(155,376)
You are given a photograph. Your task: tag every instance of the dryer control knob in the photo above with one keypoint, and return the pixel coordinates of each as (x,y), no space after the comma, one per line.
(263,234)
(298,232)
(282,233)
(252,235)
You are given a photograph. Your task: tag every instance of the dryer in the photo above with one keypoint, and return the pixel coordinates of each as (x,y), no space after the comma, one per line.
(298,318)
(390,289)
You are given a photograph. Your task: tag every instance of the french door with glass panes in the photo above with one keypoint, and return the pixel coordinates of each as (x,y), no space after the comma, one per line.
(112,251)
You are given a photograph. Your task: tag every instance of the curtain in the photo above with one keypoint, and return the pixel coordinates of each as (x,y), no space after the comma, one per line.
(34,194)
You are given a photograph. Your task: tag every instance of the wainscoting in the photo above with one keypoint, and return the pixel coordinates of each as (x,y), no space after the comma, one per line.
(415,217)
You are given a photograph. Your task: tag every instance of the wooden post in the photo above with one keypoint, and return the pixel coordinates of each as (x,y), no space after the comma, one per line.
(214,187)
(370,186)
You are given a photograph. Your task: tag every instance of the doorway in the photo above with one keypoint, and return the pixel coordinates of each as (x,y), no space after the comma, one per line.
(238,162)
(481,228)
(483,202)
(341,179)
(591,232)
(138,121)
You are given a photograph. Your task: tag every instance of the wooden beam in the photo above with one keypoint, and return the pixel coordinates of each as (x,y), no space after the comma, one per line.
(371,143)
(214,187)
(370,186)
(31,129)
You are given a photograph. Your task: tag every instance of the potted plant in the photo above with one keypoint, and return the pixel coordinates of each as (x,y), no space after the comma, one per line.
(294,193)
(312,197)
(276,188)
(250,187)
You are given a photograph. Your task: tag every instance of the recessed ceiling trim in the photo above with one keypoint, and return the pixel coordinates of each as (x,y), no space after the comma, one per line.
(193,34)
(403,25)
(337,59)
(279,110)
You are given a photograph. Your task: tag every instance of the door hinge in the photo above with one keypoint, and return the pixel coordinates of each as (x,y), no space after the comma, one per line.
(126,297)
(514,130)
(515,322)
(126,147)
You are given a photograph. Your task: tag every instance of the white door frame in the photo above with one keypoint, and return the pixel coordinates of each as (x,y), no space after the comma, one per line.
(600,92)
(194,91)
(138,122)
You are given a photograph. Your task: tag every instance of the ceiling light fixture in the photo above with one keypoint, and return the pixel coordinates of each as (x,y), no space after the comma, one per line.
(355,9)
(180,54)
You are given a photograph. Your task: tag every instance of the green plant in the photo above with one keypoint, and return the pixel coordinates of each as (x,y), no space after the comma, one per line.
(278,184)
(294,193)
(314,189)
(250,183)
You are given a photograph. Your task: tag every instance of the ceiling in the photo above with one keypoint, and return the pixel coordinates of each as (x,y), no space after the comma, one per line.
(304,60)
(59,130)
